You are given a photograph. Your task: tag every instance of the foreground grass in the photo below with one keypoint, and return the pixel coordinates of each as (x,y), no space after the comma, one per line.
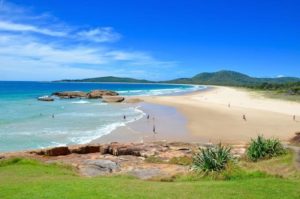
(29,179)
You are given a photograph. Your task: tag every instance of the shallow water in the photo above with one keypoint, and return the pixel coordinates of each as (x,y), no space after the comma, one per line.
(26,123)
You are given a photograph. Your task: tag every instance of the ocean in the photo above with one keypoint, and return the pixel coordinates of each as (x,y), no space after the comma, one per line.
(26,123)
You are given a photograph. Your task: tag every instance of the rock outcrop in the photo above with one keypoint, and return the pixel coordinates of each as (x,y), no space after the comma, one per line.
(98,167)
(158,160)
(57,151)
(85,149)
(296,138)
(95,94)
(113,99)
(70,94)
(117,149)
(108,96)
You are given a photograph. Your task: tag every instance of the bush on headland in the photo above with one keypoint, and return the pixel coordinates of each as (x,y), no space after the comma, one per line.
(261,148)
(214,158)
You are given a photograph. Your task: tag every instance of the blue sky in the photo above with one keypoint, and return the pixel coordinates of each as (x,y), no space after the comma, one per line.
(152,39)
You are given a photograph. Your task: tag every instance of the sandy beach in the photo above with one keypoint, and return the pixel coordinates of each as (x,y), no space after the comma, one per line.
(213,115)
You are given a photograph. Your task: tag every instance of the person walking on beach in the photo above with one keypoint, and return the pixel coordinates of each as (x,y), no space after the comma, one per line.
(244,118)
(294,117)
(52,115)
(154,129)
(148,117)
(124,117)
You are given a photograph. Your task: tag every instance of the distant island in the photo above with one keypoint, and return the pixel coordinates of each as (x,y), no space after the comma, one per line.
(287,85)
(108,79)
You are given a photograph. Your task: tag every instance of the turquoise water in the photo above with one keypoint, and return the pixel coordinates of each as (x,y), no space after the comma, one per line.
(26,123)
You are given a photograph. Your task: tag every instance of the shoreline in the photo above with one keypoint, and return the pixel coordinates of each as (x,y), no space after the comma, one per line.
(170,126)
(214,115)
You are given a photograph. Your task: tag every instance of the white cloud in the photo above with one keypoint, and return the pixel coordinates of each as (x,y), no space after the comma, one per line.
(15,27)
(100,34)
(49,53)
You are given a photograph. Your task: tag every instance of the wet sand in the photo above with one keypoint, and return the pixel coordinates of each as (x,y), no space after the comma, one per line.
(170,125)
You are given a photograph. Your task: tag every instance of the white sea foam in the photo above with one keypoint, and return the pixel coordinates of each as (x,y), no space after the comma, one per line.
(81,102)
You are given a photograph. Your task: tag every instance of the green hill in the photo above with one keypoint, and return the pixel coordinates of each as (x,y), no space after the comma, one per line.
(231,78)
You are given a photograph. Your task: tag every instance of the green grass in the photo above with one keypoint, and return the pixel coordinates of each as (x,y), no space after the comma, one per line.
(29,179)
(183,160)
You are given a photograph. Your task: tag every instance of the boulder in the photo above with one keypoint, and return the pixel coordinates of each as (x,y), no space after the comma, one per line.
(98,167)
(57,151)
(95,94)
(117,149)
(296,138)
(113,99)
(70,94)
(38,152)
(85,149)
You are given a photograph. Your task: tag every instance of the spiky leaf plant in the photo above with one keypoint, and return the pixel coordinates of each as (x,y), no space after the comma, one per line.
(212,159)
(261,148)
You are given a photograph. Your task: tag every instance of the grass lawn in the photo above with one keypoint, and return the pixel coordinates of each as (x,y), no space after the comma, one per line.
(29,179)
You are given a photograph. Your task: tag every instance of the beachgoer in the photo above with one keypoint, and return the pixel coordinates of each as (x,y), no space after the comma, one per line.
(154,130)
(124,117)
(229,105)
(148,116)
(52,115)
(294,117)
(244,117)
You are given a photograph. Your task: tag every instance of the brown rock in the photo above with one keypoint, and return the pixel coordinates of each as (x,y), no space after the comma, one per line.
(104,149)
(117,149)
(113,99)
(86,149)
(38,152)
(70,94)
(57,151)
(95,94)
(296,138)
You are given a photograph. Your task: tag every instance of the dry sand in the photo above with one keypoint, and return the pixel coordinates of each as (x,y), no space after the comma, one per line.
(205,116)
(210,118)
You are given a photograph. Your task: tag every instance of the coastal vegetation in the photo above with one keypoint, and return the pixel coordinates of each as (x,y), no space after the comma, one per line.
(34,179)
(214,158)
(261,148)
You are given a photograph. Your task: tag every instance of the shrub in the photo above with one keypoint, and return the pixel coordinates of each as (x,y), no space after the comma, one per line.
(212,159)
(261,148)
